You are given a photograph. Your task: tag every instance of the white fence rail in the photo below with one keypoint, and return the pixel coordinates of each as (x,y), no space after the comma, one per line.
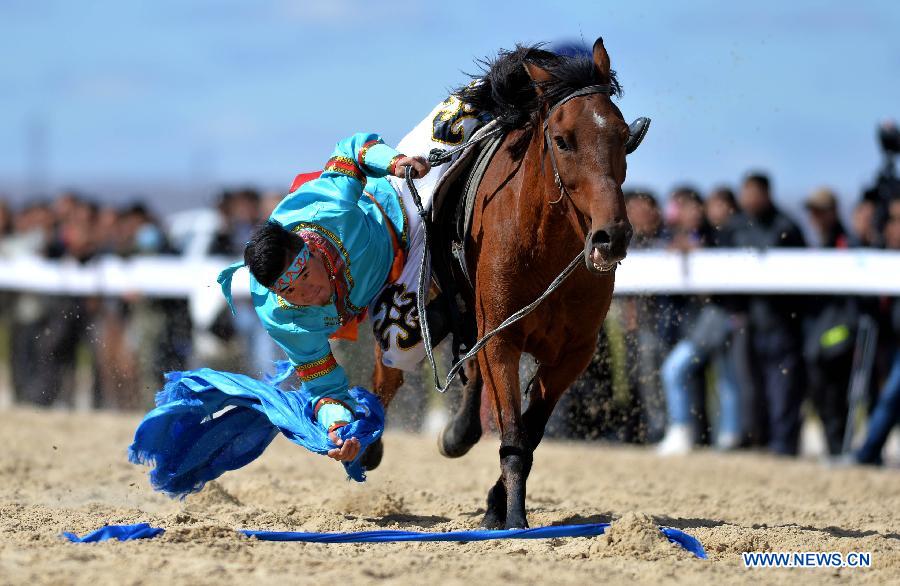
(800,271)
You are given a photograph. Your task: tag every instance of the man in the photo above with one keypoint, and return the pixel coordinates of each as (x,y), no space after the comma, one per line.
(644,318)
(774,363)
(823,216)
(345,244)
(830,329)
(886,412)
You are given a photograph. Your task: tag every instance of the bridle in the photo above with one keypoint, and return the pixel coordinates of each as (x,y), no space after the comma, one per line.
(606,89)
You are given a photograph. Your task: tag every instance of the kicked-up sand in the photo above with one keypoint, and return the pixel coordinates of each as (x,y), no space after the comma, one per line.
(69,472)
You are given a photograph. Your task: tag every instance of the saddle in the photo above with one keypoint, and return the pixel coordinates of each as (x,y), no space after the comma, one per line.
(453,204)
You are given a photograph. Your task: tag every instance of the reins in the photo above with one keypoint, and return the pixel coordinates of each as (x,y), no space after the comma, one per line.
(438,156)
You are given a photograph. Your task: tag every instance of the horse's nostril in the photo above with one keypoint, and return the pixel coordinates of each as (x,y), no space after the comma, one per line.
(600,237)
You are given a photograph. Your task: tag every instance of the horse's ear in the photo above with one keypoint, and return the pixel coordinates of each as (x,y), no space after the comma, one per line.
(637,130)
(537,75)
(601,58)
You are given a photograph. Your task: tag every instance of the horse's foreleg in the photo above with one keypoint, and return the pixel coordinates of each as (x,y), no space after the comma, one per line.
(464,429)
(499,363)
(385,383)
(551,382)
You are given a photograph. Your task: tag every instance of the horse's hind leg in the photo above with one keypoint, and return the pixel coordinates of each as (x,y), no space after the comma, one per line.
(385,382)
(499,364)
(464,430)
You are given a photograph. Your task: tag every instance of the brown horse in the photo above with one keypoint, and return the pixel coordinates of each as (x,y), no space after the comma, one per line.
(526,228)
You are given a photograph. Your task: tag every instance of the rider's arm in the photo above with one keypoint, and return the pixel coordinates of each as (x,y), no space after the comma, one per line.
(322,377)
(368,154)
(357,157)
(343,179)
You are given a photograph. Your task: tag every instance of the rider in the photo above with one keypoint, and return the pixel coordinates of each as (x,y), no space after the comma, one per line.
(344,244)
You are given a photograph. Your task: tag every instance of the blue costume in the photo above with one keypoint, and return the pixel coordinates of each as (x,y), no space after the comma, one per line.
(344,211)
(208,422)
(354,218)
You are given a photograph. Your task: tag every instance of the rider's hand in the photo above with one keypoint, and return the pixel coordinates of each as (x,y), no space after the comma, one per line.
(419,164)
(345,451)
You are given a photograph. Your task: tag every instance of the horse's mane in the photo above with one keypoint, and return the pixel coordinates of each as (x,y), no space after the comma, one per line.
(504,89)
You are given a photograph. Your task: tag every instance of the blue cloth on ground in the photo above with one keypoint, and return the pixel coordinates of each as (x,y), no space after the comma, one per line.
(208,422)
(677,537)
(120,532)
(688,542)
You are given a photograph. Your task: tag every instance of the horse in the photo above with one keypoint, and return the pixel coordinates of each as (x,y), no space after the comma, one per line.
(553,188)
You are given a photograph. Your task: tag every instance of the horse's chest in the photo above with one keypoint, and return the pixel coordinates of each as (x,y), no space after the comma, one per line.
(573,313)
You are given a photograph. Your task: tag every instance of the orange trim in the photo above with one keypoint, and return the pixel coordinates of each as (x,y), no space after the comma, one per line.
(350,330)
(399,253)
(303,178)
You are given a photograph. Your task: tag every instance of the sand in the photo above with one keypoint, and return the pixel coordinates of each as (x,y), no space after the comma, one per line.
(61,471)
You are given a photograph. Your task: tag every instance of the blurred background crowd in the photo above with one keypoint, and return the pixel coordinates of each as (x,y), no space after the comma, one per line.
(731,371)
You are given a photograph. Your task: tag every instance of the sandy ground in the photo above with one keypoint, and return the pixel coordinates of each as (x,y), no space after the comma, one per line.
(69,472)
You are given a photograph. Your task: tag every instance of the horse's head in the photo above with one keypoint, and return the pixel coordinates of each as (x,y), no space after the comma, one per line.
(586,142)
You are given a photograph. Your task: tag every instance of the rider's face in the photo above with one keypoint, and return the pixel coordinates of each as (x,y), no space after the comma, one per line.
(312,287)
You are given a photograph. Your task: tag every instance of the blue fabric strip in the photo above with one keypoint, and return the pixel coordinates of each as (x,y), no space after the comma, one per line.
(143,530)
(120,532)
(224,280)
(677,537)
(208,422)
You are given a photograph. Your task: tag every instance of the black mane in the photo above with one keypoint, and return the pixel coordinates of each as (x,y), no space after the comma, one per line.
(504,89)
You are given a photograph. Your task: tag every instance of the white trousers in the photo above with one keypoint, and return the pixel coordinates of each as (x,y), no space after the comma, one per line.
(395,319)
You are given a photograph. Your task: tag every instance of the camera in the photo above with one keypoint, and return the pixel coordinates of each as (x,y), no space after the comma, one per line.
(889,135)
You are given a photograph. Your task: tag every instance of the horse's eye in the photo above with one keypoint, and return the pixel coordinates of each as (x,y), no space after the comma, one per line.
(561,143)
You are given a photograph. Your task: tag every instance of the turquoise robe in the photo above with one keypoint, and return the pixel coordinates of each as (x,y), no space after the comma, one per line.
(337,206)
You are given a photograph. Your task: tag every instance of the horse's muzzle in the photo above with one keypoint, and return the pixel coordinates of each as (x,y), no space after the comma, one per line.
(604,248)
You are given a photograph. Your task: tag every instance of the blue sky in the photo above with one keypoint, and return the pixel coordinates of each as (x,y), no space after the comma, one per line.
(225,92)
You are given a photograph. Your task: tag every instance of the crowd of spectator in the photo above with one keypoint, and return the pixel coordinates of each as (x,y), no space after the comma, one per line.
(733,371)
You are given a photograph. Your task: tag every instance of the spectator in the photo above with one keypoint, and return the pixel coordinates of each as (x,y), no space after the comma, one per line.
(141,232)
(686,220)
(823,216)
(644,215)
(243,334)
(864,231)
(708,343)
(721,205)
(773,365)
(886,413)
(53,326)
(6,220)
(830,329)
(270,201)
(640,317)
(240,211)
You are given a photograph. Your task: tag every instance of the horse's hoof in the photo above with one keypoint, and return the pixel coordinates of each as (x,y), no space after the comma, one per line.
(456,449)
(372,456)
(491,522)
